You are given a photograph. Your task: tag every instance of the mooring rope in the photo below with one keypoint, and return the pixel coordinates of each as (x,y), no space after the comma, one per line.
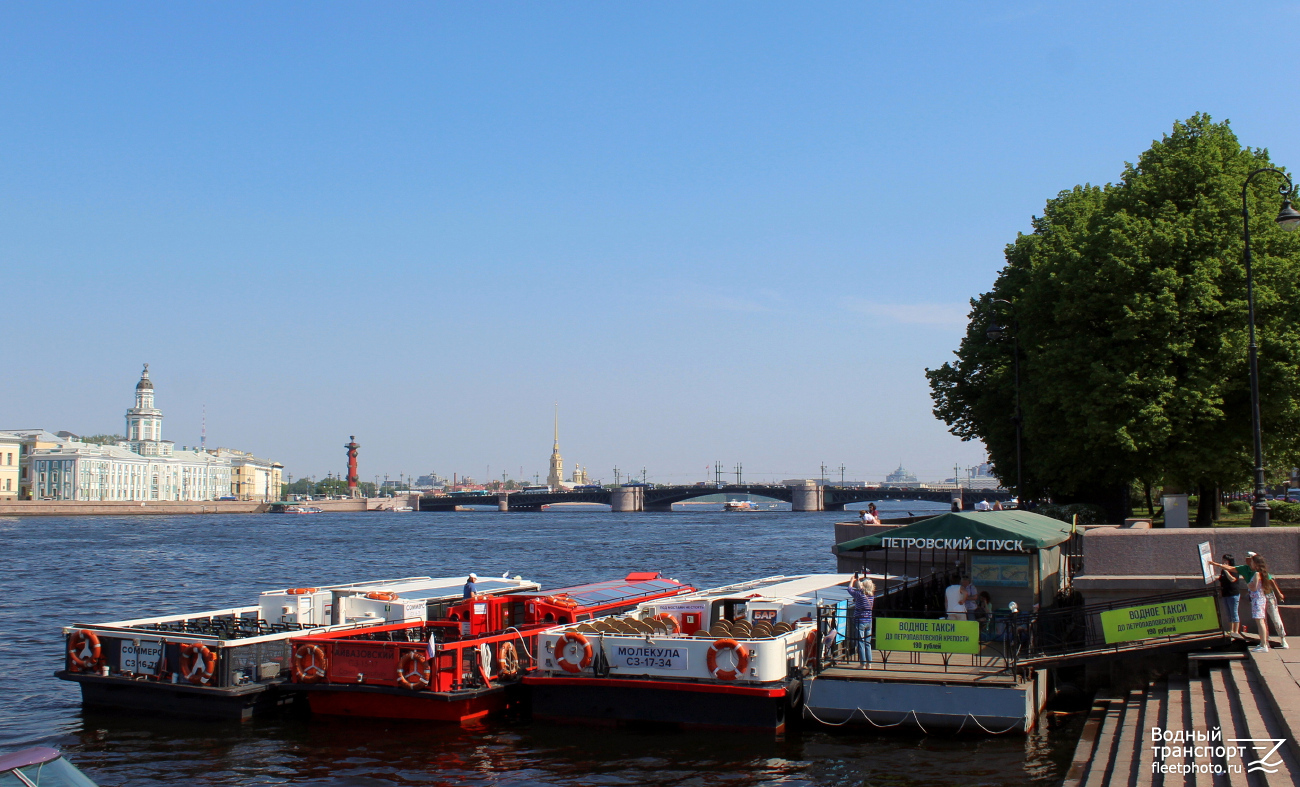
(912,713)
(522,642)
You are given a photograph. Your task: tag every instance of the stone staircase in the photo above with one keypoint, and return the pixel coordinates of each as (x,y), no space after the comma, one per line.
(1244,697)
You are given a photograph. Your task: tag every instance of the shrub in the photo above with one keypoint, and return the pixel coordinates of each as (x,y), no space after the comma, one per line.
(1238,506)
(1284,512)
(1088,514)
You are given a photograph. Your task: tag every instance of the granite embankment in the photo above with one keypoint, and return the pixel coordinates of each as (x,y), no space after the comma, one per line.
(137,507)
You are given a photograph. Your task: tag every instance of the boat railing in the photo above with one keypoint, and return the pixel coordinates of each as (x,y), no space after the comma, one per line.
(457,664)
(996,653)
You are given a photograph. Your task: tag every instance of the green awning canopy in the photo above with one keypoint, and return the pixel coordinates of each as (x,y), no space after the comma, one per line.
(976,531)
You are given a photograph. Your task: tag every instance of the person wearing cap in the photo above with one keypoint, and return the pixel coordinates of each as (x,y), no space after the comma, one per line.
(471,586)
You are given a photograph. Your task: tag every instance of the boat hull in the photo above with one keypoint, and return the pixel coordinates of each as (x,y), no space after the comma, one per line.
(384,702)
(238,703)
(629,702)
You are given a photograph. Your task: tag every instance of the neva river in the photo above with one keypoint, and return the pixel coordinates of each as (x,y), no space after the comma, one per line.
(63,570)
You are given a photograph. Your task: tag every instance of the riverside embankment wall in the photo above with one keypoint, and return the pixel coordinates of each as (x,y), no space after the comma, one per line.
(137,507)
(1121,563)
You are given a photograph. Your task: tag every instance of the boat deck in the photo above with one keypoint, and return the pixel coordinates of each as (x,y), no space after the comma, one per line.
(986,669)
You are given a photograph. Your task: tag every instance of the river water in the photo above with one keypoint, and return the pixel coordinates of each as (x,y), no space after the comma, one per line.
(86,569)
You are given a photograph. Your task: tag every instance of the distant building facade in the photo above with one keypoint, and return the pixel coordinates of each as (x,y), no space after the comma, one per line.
(11,456)
(142,467)
(901,477)
(31,441)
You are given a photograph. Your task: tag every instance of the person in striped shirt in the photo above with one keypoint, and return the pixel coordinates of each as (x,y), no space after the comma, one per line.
(862,590)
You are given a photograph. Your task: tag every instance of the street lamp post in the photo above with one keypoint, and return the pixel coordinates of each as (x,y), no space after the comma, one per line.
(1288,219)
(994,333)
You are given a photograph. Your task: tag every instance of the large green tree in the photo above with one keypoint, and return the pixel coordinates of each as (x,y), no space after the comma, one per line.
(1129,304)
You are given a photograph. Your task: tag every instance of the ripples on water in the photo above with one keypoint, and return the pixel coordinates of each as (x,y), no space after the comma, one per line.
(64,570)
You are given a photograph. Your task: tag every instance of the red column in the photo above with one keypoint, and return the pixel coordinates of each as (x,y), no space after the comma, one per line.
(352,465)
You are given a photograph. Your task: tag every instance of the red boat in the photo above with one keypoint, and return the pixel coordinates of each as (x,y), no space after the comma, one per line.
(459,669)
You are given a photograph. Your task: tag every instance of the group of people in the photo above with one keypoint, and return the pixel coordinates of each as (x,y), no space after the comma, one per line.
(1264,596)
(964,601)
(869,515)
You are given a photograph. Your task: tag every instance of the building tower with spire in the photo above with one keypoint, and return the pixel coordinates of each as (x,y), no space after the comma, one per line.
(144,421)
(555,478)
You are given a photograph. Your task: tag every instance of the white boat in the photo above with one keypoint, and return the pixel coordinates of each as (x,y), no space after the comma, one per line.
(740,505)
(731,657)
(229,663)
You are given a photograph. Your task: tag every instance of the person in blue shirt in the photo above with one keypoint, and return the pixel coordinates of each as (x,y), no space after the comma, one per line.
(471,588)
(862,591)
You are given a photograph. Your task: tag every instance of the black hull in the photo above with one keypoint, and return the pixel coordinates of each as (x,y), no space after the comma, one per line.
(622,703)
(239,703)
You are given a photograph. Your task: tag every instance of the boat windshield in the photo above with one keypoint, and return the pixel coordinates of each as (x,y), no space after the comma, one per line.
(54,773)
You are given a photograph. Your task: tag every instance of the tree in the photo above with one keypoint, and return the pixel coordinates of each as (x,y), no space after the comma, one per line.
(103,439)
(1130,305)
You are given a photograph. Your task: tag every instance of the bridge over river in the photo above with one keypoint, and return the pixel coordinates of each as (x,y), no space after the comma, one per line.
(662,498)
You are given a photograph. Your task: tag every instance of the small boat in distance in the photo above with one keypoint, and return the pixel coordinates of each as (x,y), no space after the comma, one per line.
(739,505)
(306,510)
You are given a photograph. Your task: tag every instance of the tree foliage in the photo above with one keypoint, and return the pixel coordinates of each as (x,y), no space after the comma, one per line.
(1129,303)
(103,439)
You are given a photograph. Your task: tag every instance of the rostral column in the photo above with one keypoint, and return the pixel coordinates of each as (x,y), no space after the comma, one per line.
(352,465)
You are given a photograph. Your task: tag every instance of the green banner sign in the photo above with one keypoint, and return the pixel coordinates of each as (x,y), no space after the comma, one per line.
(928,636)
(1187,616)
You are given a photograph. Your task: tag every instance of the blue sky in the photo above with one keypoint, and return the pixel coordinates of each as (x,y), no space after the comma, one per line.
(732,232)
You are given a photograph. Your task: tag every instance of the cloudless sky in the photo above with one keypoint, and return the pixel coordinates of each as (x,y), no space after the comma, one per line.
(734,232)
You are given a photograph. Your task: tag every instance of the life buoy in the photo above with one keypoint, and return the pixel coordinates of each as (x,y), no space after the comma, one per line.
(382,595)
(197,663)
(508,659)
(562,652)
(673,624)
(561,601)
(83,649)
(300,591)
(811,649)
(742,659)
(309,664)
(413,670)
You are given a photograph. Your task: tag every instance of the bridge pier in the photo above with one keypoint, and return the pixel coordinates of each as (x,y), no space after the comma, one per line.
(627,498)
(503,502)
(809,497)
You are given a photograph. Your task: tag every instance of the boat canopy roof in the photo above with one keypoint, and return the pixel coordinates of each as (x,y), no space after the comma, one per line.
(772,587)
(611,591)
(976,531)
(21,759)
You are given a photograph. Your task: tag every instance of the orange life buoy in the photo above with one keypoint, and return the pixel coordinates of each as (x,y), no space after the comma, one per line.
(83,649)
(301,591)
(670,620)
(197,663)
(742,659)
(562,656)
(382,595)
(508,659)
(413,670)
(309,664)
(810,657)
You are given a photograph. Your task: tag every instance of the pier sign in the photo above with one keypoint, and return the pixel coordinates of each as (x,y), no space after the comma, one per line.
(141,659)
(673,657)
(1168,618)
(927,636)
